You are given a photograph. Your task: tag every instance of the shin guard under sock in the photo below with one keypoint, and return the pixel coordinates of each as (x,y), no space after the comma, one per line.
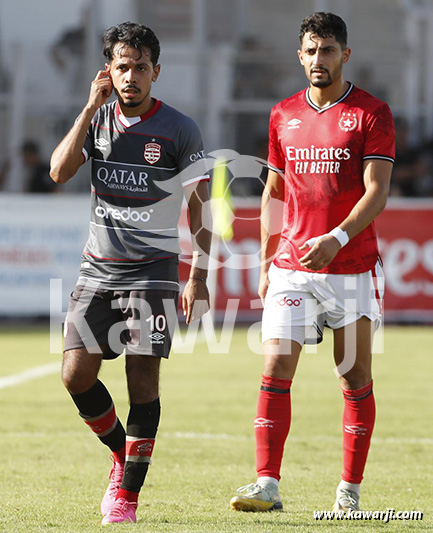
(272,425)
(97,410)
(141,429)
(358,422)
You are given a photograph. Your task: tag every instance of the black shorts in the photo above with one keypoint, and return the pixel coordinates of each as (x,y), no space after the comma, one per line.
(113,321)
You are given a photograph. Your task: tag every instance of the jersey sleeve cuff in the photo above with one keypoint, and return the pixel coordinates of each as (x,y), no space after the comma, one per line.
(274,168)
(195,180)
(378,156)
(85,154)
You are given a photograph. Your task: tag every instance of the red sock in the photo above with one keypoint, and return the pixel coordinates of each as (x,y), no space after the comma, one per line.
(103,424)
(358,422)
(272,425)
(119,456)
(128,495)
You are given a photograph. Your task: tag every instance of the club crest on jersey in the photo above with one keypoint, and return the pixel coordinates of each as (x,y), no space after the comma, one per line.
(152,152)
(348,121)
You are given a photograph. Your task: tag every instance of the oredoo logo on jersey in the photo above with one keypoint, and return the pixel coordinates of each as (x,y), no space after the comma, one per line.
(317,160)
(125,215)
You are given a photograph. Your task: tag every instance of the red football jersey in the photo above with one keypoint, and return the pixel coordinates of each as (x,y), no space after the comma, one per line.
(321,152)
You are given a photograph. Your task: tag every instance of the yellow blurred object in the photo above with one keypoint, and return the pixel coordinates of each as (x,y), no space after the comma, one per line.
(221,197)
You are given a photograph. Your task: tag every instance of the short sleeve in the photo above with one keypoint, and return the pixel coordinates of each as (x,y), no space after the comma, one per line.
(191,155)
(88,143)
(88,147)
(380,135)
(276,160)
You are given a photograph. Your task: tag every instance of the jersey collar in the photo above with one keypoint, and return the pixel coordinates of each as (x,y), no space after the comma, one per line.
(132,121)
(323,109)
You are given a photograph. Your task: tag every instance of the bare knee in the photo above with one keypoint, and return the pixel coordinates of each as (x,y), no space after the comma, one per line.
(80,370)
(355,380)
(281,358)
(279,367)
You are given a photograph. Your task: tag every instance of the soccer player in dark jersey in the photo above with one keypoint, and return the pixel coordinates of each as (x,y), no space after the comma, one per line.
(146,157)
(331,151)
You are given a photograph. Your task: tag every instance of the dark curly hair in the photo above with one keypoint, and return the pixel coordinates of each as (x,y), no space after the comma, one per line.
(325,25)
(131,34)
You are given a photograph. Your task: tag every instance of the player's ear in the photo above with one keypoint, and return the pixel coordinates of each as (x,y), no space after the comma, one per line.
(156,72)
(300,57)
(346,54)
(107,67)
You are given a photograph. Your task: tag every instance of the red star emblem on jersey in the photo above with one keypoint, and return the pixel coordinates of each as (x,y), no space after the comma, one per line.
(348,121)
(152,152)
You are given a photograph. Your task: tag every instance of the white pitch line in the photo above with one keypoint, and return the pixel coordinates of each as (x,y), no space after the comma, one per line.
(52,368)
(225,436)
(29,374)
(317,438)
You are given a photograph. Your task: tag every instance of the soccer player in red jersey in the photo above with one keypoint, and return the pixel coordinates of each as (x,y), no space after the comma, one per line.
(127,291)
(331,151)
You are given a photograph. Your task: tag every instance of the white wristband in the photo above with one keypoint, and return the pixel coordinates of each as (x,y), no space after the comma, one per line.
(341,236)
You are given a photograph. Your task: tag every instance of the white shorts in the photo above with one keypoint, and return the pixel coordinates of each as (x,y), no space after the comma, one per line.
(299,304)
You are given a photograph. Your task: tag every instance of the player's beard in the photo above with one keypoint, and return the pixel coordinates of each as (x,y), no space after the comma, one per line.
(323,83)
(131,103)
(326,82)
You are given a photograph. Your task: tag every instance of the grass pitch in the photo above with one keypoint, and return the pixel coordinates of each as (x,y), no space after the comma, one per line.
(54,471)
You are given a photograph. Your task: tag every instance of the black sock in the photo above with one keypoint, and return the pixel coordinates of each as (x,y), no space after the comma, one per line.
(97,410)
(141,430)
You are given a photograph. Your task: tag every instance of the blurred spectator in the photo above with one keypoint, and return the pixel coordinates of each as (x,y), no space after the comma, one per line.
(410,165)
(4,171)
(68,55)
(37,172)
(255,73)
(424,184)
(364,78)
(245,186)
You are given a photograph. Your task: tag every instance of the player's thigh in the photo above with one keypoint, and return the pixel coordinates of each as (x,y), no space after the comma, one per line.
(352,353)
(150,318)
(291,311)
(347,298)
(80,369)
(281,358)
(90,317)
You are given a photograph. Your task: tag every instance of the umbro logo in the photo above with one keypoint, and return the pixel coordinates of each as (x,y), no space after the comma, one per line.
(101,143)
(355,430)
(157,338)
(294,123)
(145,449)
(263,423)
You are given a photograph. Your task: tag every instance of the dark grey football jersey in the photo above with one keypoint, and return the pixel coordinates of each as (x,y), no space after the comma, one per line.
(140,167)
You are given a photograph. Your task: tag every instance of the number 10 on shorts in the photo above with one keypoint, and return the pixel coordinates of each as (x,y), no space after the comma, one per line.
(157,324)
